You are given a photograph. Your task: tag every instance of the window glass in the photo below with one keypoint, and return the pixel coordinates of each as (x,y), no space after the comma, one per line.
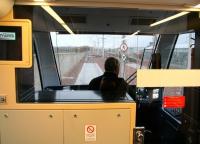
(37,82)
(181,58)
(174,91)
(81,57)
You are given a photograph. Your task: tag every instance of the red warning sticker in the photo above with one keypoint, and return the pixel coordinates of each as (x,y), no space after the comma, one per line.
(174,101)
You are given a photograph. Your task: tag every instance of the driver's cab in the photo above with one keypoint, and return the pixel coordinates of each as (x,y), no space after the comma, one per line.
(48,60)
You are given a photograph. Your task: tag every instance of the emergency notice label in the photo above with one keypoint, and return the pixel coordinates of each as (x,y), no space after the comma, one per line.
(7,36)
(90,132)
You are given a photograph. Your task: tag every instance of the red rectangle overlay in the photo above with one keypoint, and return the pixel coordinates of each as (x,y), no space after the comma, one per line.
(174,101)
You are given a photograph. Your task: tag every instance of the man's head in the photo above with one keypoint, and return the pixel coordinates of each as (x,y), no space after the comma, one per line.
(112,65)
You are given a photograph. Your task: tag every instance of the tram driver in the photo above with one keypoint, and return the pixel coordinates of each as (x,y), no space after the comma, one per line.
(111,86)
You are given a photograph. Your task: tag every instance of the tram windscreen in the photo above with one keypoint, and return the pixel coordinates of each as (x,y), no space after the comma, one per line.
(10,43)
(85,59)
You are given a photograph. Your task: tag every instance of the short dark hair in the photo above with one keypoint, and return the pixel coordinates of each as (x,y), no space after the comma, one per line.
(111,64)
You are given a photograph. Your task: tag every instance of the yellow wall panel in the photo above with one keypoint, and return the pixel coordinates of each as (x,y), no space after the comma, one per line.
(168,78)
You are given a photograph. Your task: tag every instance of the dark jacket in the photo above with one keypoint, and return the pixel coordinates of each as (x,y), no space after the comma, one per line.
(110,85)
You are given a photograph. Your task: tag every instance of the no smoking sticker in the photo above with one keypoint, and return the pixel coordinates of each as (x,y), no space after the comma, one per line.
(90,129)
(90,132)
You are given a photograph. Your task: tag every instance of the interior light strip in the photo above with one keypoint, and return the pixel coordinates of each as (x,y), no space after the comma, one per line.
(169,18)
(173,17)
(135,33)
(197,6)
(57,17)
(39,0)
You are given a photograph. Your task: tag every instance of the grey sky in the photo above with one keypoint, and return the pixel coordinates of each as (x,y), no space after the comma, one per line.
(110,41)
(93,40)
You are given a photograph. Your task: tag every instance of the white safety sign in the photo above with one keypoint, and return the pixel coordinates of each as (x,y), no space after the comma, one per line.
(90,132)
(123,47)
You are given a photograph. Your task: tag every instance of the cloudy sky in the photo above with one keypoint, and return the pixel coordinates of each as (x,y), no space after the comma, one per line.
(110,41)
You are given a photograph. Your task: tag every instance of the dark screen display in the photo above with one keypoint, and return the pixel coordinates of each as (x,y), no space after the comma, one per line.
(10,43)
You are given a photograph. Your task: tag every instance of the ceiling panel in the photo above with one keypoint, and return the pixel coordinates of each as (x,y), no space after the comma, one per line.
(170,2)
(103,20)
(143,4)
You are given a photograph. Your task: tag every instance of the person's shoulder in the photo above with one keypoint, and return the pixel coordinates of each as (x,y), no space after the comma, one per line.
(121,79)
(94,83)
(96,79)
(122,82)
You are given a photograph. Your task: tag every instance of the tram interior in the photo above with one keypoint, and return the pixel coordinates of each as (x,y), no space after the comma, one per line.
(69,61)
